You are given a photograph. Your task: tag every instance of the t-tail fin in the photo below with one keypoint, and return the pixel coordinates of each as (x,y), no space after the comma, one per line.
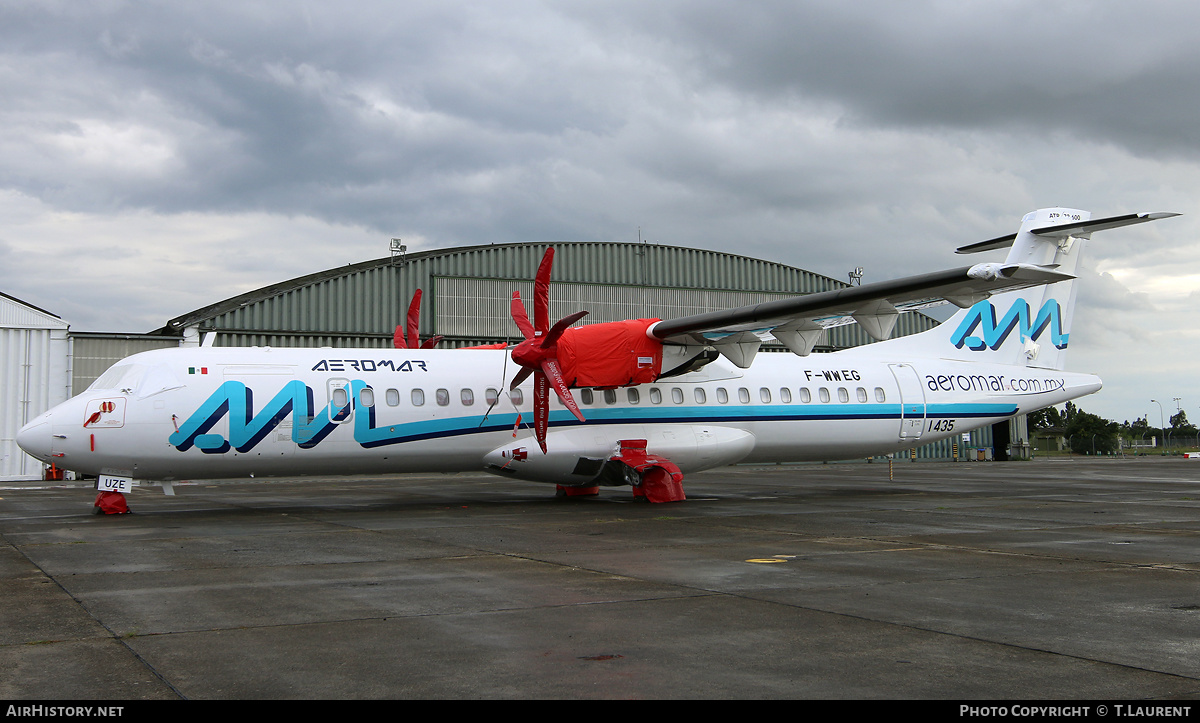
(1031,326)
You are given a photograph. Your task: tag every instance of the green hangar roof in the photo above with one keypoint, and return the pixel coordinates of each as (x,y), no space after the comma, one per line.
(467,290)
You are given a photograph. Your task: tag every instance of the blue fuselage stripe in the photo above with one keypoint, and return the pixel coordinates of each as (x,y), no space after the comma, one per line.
(434,429)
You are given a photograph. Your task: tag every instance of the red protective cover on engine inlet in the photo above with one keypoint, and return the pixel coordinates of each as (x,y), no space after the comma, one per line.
(613,354)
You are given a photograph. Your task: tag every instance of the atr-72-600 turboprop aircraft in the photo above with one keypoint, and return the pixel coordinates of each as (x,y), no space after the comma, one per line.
(660,398)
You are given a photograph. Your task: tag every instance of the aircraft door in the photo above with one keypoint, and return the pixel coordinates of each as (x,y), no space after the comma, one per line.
(912,401)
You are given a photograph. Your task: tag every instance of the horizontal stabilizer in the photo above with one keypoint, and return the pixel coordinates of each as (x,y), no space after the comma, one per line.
(1081,228)
(1000,242)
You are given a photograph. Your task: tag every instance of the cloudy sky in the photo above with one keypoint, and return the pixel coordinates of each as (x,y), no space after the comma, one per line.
(159,156)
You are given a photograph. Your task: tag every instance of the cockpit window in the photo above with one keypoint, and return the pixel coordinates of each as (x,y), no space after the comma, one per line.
(157,379)
(121,376)
(137,379)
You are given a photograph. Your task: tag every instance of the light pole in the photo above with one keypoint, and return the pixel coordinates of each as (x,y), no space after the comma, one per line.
(1162,421)
(1177,409)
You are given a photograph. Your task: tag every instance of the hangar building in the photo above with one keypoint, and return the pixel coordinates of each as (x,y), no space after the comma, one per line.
(34,376)
(467,293)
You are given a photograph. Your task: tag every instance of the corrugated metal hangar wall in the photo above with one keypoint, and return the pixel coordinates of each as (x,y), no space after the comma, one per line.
(93,353)
(34,376)
(467,293)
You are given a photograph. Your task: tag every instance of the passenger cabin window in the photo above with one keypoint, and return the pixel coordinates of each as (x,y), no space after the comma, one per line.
(393,397)
(442,396)
(467,396)
(765,395)
(586,396)
(785,395)
(824,394)
(366,397)
(517,396)
(490,396)
(655,395)
(418,397)
(340,398)
(880,395)
(677,395)
(862,394)
(744,395)
(843,394)
(722,396)
(633,395)
(610,396)
(701,396)
(805,395)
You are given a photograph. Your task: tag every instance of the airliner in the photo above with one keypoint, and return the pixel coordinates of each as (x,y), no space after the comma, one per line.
(657,399)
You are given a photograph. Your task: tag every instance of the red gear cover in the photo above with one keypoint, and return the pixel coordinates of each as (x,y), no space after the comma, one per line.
(661,478)
(111,503)
(613,354)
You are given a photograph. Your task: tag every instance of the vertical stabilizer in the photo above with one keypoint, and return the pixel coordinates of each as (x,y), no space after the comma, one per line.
(1043,314)
(1028,327)
(1031,326)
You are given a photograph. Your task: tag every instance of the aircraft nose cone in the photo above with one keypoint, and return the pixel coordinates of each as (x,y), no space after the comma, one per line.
(35,438)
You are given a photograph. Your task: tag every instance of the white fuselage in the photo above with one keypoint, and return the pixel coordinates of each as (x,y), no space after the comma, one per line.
(238,412)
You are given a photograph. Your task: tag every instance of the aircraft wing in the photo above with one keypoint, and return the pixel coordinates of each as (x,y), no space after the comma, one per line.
(798,322)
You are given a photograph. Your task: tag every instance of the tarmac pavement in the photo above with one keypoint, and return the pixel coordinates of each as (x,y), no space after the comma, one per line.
(1052,579)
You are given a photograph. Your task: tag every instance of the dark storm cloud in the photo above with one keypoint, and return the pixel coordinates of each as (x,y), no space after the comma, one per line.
(1116,72)
(195,151)
(351,116)
(482,122)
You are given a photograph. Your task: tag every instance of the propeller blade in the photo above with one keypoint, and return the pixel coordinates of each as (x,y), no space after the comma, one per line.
(537,354)
(541,292)
(552,337)
(541,409)
(520,317)
(551,371)
(520,377)
(432,341)
(414,319)
(398,338)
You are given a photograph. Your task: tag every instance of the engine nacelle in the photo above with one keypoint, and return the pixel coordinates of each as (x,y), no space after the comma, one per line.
(577,455)
(612,354)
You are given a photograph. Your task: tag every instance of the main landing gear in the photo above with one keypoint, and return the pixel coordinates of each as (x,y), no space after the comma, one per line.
(653,478)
